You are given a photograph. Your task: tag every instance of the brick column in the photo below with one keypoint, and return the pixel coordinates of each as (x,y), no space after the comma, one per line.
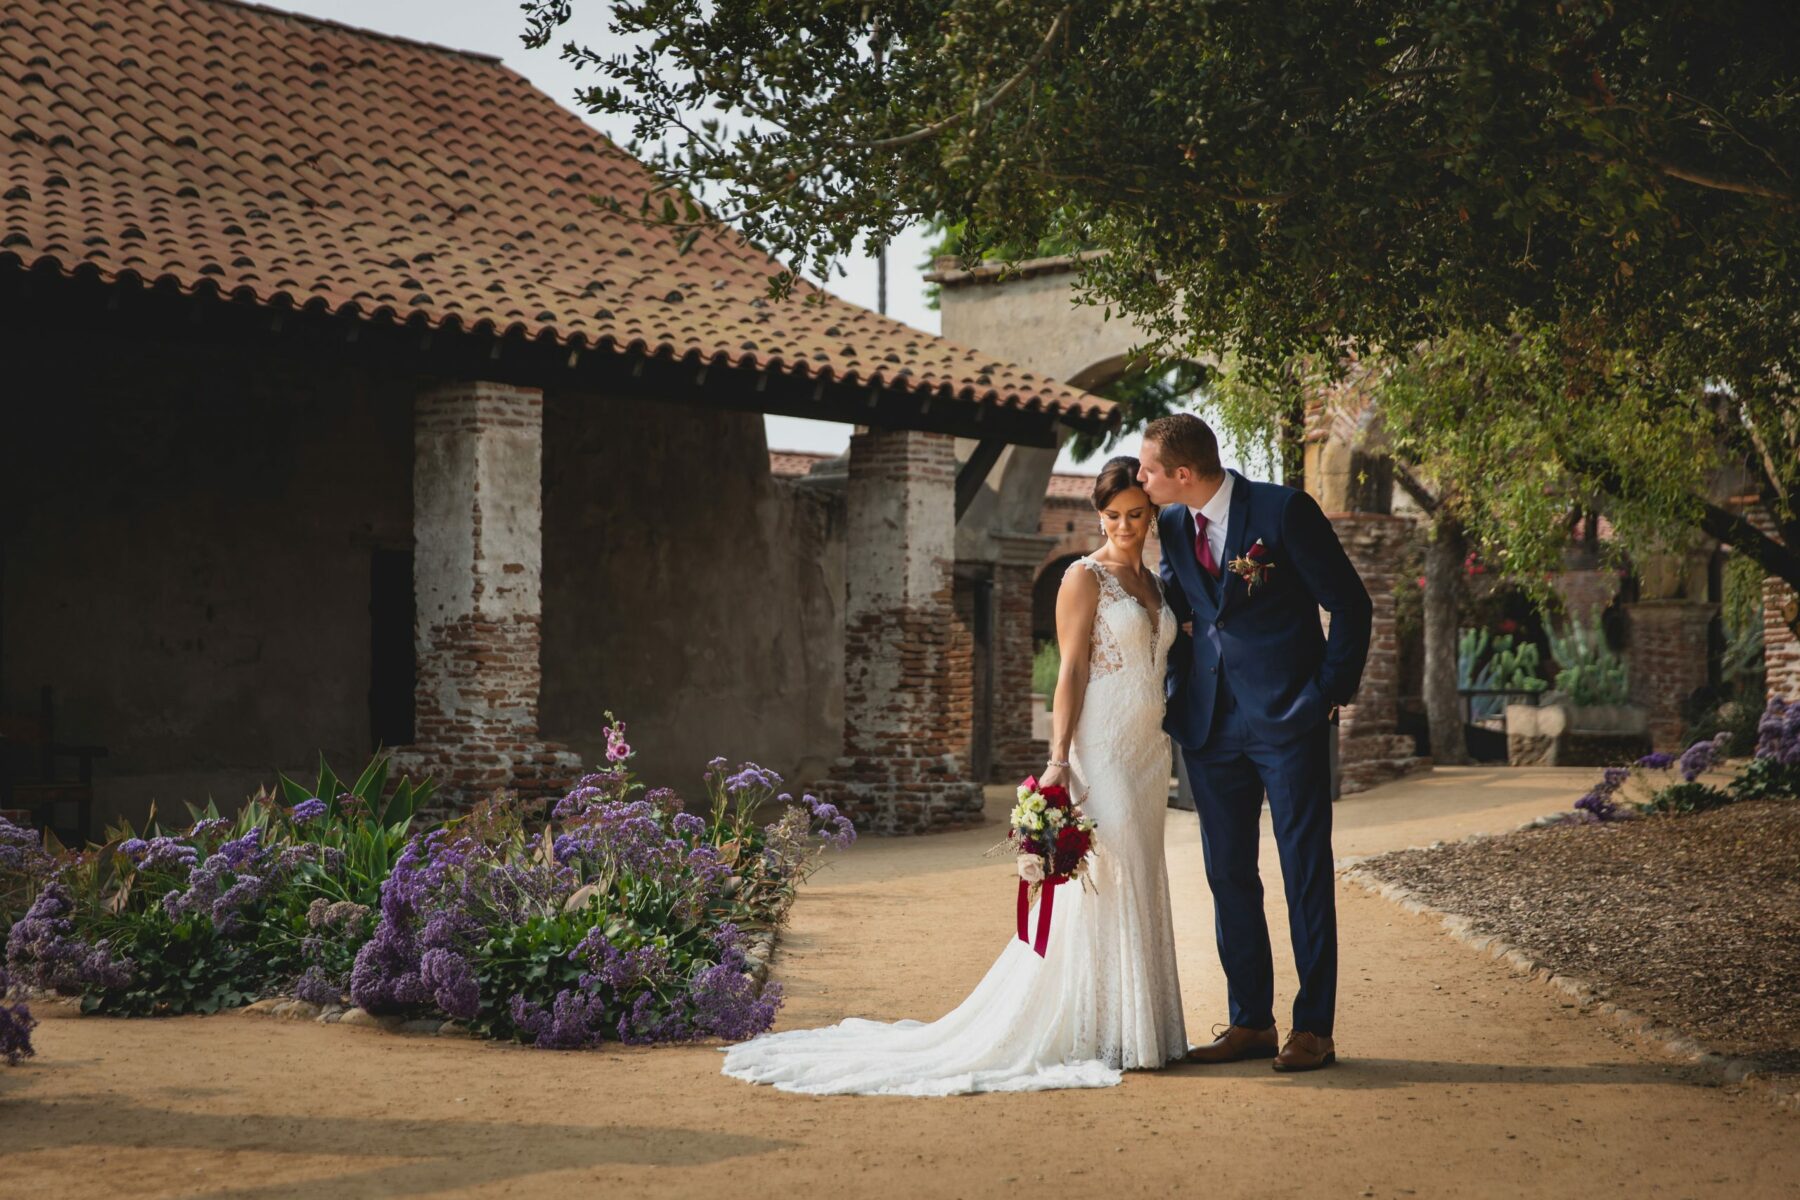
(1781,651)
(1016,752)
(1368,748)
(477,563)
(1666,661)
(907,665)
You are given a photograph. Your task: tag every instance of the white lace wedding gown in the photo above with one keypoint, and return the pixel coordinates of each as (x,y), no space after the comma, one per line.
(1105,996)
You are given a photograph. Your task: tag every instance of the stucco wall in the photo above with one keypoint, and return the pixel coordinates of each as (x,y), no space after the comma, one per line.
(187,544)
(688,591)
(187,548)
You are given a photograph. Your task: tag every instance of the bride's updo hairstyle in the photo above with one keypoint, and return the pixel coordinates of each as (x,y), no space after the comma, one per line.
(1118,475)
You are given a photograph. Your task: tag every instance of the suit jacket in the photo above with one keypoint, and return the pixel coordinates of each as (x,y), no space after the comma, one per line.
(1265,642)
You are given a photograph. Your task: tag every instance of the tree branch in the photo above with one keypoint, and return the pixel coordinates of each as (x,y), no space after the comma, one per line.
(1736,531)
(1720,183)
(927,132)
(1413,487)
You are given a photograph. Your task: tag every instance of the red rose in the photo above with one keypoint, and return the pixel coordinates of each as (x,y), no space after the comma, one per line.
(1258,552)
(1030,846)
(1072,840)
(1055,795)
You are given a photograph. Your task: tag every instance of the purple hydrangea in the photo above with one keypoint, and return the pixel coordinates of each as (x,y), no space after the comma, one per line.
(308,811)
(1658,761)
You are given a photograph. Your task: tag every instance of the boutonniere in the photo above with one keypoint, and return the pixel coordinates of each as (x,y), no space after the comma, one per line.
(1253,566)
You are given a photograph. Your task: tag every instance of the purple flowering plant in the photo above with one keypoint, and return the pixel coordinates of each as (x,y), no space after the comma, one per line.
(618,920)
(25,863)
(1672,783)
(16,1024)
(1774,770)
(212,912)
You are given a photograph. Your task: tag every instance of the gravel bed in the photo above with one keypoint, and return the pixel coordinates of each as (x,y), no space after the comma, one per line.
(1691,920)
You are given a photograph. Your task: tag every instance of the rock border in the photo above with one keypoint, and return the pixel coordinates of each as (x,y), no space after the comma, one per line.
(1589,997)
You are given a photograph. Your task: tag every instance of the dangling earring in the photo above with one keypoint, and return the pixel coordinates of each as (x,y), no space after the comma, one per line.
(1103,534)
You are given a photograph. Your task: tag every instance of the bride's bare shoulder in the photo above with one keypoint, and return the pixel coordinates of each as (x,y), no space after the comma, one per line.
(1083,576)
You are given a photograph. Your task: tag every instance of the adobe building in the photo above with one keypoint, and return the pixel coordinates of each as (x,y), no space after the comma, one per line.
(339,415)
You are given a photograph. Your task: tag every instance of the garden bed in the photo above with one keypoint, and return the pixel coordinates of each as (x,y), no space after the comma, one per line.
(1692,920)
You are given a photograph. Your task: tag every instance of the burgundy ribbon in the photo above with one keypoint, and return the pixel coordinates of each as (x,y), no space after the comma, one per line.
(1044,910)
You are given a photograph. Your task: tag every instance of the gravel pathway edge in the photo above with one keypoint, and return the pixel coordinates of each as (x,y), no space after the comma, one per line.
(1664,1039)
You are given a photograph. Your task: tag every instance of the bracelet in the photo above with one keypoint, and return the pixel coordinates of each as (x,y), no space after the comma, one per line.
(1055,763)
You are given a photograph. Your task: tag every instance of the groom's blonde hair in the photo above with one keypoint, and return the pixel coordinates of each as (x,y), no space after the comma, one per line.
(1184,440)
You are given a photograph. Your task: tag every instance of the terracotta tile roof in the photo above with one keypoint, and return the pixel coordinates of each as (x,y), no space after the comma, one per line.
(788,464)
(218,145)
(1065,485)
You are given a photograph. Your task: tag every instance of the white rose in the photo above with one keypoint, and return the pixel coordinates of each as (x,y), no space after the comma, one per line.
(1031,868)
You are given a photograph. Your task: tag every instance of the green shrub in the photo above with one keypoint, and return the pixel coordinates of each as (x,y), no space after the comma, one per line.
(1046,664)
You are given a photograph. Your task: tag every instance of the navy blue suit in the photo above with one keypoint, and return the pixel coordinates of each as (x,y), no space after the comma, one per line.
(1248,698)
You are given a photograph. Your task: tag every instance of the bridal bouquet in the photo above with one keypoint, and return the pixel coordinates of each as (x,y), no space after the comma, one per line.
(1051,838)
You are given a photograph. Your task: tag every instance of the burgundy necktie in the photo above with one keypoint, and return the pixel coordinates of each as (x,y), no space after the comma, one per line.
(1203,547)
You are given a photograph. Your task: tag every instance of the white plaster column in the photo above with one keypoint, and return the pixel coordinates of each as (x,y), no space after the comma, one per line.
(477,570)
(908,667)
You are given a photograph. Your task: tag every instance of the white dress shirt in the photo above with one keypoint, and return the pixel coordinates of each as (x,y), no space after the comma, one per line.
(1217,512)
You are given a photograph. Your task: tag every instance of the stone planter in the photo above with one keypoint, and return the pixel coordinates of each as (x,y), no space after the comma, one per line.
(1565,735)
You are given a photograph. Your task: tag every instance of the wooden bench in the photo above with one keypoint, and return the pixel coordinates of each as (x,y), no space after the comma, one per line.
(30,775)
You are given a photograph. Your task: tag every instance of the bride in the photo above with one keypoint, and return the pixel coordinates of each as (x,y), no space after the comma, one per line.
(1105,996)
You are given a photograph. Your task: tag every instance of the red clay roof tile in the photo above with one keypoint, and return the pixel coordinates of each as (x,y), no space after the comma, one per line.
(217,144)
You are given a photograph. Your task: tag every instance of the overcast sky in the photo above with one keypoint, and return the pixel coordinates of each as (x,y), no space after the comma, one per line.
(493,27)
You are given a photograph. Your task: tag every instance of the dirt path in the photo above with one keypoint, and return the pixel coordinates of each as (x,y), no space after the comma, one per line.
(1458,1078)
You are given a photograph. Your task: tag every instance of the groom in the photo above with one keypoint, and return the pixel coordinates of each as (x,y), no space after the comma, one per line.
(1246,567)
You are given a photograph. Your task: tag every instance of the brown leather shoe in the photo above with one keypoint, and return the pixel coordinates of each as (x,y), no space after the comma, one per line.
(1235,1045)
(1305,1051)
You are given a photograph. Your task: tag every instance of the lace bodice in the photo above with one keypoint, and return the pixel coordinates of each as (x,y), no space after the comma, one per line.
(1124,630)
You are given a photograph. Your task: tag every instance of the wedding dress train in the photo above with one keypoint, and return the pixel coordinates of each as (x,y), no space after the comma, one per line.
(1105,997)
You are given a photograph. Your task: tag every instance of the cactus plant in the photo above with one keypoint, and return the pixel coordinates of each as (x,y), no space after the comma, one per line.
(1590,673)
(1493,664)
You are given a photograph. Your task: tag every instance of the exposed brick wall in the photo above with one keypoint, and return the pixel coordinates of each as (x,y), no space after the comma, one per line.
(1368,748)
(1666,660)
(1016,753)
(908,666)
(477,565)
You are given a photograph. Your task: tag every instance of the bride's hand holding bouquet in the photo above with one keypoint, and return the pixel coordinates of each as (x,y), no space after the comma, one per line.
(1051,837)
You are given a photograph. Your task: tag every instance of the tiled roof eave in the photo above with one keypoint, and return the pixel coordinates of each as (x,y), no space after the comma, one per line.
(1100,415)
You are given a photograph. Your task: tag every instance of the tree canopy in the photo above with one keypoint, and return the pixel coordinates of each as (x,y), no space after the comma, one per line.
(1610,181)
